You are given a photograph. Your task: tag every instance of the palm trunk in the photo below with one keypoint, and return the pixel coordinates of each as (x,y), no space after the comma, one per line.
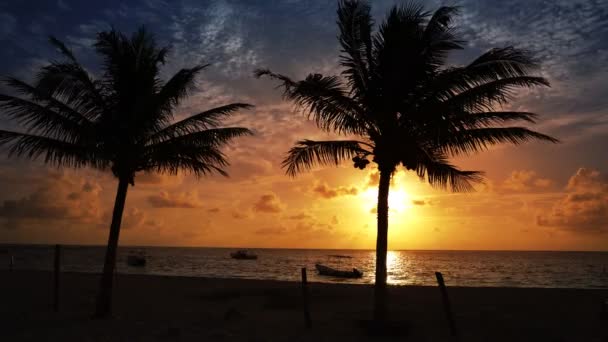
(104,299)
(380,297)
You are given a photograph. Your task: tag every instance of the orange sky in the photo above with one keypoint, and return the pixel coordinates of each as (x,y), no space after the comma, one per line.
(329,208)
(537,196)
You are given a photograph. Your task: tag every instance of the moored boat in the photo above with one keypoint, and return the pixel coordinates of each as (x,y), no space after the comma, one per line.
(243,255)
(332,272)
(136,260)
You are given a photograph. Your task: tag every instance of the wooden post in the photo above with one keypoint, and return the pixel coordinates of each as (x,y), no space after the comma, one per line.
(57,271)
(307,319)
(446,303)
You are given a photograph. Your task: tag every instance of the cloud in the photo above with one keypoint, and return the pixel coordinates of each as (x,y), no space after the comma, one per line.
(63,5)
(132,218)
(323,190)
(334,220)
(59,196)
(156,179)
(241,215)
(175,200)
(584,208)
(214,210)
(300,216)
(525,180)
(419,202)
(272,230)
(269,203)
(7,24)
(374,177)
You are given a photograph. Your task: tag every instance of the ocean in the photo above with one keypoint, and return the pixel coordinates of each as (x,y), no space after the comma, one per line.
(584,270)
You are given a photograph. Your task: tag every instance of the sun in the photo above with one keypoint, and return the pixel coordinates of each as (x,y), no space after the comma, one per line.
(398,199)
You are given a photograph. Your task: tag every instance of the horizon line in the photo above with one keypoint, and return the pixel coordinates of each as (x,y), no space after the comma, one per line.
(303,248)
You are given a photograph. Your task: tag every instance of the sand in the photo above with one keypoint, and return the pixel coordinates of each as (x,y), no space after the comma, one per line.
(154,308)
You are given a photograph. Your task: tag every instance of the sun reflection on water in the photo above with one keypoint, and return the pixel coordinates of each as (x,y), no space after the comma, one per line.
(396,266)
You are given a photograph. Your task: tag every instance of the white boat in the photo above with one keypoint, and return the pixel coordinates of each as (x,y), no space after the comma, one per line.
(332,272)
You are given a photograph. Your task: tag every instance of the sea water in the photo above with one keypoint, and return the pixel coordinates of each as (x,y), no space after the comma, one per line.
(586,270)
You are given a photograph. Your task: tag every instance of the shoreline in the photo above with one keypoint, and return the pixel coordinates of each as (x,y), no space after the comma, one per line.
(179,308)
(292,282)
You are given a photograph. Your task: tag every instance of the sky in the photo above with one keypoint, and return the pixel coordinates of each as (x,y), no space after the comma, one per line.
(536,196)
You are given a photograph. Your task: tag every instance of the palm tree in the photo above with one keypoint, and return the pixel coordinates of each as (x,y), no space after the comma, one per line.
(121,121)
(399,104)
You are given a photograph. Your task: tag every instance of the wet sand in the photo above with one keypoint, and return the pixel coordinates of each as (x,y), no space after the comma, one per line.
(155,308)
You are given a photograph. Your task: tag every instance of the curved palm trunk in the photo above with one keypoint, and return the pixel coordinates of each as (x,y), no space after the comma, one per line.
(104,299)
(380,297)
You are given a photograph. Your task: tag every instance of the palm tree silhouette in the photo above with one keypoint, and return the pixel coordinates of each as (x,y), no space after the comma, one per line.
(403,106)
(122,121)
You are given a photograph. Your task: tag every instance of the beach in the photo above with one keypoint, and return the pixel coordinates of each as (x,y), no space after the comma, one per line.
(163,308)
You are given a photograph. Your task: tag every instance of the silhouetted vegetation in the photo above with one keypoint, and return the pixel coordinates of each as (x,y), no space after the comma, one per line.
(404,106)
(122,121)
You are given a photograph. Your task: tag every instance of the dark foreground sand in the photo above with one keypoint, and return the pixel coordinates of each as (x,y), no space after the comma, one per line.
(152,308)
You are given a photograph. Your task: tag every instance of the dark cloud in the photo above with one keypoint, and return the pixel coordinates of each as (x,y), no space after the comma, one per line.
(418,202)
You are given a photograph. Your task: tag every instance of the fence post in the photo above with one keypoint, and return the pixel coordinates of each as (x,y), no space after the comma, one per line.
(307,319)
(446,303)
(56,278)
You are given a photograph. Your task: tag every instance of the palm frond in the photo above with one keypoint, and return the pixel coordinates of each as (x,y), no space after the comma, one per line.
(44,97)
(488,119)
(45,120)
(399,60)
(183,156)
(326,102)
(440,37)
(503,63)
(496,64)
(202,121)
(131,65)
(51,151)
(355,24)
(446,176)
(215,137)
(285,82)
(71,84)
(478,139)
(65,51)
(485,96)
(176,89)
(308,153)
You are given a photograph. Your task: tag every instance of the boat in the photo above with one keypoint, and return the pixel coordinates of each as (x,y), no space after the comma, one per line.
(136,260)
(243,255)
(332,272)
(340,256)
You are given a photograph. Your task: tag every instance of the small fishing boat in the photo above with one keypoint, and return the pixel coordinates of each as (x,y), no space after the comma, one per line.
(332,272)
(136,260)
(340,256)
(243,255)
